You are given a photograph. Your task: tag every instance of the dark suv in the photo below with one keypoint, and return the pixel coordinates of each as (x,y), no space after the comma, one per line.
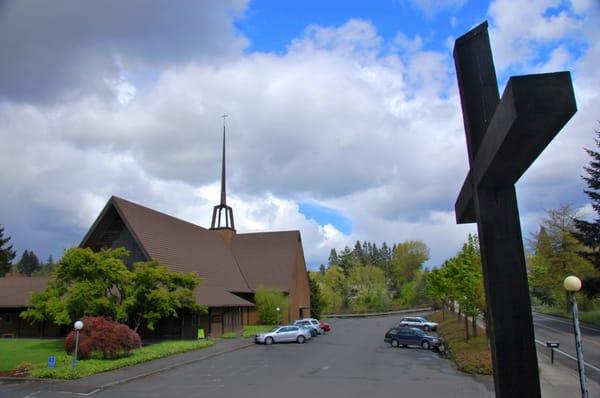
(402,337)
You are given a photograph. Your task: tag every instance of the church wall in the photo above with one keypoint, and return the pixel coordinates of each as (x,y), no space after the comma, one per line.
(11,324)
(299,297)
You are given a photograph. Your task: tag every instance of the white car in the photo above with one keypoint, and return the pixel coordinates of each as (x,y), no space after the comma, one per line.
(314,323)
(281,334)
(418,322)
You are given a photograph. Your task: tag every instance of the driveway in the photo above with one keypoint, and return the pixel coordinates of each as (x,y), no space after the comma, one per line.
(352,361)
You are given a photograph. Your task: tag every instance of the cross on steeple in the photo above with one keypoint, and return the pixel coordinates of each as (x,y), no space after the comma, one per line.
(218,210)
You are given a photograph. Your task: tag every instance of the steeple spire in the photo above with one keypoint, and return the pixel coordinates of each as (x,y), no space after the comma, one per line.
(223,195)
(218,210)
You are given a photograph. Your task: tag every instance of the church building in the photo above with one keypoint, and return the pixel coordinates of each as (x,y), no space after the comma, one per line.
(232,265)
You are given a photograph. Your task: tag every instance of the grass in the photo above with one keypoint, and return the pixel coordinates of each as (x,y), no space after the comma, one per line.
(590,317)
(229,335)
(92,366)
(35,351)
(251,330)
(472,356)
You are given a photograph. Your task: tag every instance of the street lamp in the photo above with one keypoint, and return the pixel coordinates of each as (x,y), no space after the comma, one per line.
(278,309)
(78,326)
(573,284)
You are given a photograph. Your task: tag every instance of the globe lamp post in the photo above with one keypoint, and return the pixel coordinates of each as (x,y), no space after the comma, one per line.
(278,309)
(78,326)
(573,284)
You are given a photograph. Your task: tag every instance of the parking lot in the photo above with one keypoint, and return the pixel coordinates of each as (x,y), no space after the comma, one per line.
(351,361)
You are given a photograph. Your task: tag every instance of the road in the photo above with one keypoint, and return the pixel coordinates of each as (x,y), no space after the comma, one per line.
(549,328)
(352,361)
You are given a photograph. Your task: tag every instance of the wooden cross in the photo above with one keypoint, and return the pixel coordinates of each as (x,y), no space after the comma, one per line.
(504,137)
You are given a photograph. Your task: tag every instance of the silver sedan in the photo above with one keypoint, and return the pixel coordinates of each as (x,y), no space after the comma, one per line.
(280,334)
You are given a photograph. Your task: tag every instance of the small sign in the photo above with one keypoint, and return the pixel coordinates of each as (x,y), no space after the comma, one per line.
(200,333)
(51,361)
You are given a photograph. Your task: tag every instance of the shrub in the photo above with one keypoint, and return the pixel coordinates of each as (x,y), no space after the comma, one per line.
(103,337)
(267,301)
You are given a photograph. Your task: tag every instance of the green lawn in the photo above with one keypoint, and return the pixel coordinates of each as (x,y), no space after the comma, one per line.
(35,351)
(92,366)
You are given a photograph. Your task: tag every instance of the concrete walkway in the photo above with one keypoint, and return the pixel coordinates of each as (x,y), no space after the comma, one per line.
(559,381)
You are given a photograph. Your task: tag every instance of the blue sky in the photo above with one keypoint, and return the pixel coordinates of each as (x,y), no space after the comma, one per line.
(344,121)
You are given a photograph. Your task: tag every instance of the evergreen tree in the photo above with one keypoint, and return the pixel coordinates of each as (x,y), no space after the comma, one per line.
(333,258)
(322,269)
(358,253)
(588,233)
(29,263)
(7,254)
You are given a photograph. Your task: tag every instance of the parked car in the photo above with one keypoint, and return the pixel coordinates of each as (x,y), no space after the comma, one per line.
(280,334)
(418,322)
(403,336)
(325,327)
(310,322)
(310,329)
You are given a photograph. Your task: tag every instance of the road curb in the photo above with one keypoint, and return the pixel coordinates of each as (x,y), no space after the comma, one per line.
(408,311)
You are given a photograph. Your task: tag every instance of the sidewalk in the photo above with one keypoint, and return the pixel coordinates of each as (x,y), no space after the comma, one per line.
(559,381)
(105,380)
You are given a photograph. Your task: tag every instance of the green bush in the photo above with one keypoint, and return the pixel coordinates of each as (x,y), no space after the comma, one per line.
(251,331)
(267,302)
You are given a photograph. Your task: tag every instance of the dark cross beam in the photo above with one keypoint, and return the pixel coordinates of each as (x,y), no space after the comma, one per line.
(504,137)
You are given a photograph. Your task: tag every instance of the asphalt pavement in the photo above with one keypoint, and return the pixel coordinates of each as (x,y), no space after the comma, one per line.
(550,328)
(351,361)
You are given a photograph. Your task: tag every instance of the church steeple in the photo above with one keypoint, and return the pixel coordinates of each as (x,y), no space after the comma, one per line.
(222,221)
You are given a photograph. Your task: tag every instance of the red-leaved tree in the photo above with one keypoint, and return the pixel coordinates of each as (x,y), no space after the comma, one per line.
(102,336)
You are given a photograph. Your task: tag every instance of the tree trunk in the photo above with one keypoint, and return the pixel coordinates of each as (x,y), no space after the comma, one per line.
(474,325)
(443,310)
(467,327)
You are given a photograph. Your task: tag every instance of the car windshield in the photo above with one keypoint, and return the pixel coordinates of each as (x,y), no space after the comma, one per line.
(276,328)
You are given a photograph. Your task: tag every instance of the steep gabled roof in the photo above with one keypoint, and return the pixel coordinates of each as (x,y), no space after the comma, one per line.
(267,258)
(252,260)
(15,291)
(183,247)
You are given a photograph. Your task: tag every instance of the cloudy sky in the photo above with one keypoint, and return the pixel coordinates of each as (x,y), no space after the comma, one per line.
(344,122)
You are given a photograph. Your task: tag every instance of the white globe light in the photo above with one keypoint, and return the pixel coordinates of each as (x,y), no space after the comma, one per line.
(78,325)
(572,283)
(277,309)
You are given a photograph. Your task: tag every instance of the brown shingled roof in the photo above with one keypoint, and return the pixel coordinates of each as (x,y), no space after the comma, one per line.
(16,291)
(267,258)
(254,259)
(183,246)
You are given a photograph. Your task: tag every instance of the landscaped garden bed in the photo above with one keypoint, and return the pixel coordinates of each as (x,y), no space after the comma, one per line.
(470,356)
(37,351)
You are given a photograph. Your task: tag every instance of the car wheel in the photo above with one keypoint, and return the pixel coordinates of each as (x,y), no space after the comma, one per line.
(269,340)
(395,343)
(425,344)
(301,339)
(426,328)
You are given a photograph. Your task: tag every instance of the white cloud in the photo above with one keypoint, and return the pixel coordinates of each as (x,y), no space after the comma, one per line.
(339,120)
